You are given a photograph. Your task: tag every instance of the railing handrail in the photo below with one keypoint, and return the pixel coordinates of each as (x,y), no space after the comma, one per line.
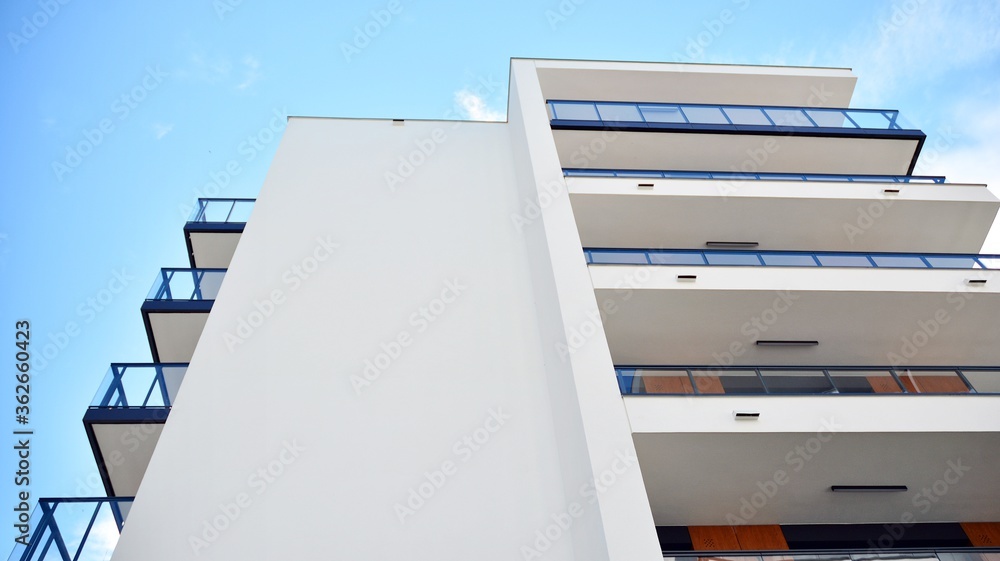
(896,374)
(756,119)
(816,255)
(198,216)
(755,176)
(47,528)
(734,105)
(112,393)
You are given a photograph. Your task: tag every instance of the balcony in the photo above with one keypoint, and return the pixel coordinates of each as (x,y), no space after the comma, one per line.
(176,309)
(820,212)
(74,529)
(214,229)
(747,138)
(124,420)
(806,380)
(736,308)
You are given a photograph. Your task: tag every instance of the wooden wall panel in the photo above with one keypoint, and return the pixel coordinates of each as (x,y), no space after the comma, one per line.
(667,384)
(761,537)
(983,533)
(713,538)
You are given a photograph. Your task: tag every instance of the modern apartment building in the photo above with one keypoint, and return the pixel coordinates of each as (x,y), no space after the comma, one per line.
(664,310)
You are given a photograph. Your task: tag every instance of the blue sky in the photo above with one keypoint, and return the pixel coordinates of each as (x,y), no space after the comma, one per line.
(119,114)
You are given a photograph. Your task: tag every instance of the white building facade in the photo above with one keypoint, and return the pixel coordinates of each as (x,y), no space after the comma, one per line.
(664,309)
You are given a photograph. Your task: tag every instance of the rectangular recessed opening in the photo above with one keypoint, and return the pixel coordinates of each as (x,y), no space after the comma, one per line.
(891,191)
(687,277)
(746,415)
(786,343)
(645,185)
(732,244)
(868,488)
(397,122)
(976,281)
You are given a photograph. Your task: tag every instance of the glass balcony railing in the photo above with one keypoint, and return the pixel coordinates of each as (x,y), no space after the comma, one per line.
(132,385)
(223,211)
(186,285)
(745,258)
(806,380)
(78,529)
(722,117)
(740,176)
(977,554)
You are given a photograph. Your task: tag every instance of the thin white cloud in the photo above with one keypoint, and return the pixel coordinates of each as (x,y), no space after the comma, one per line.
(905,46)
(251,72)
(474,107)
(966,152)
(161,130)
(212,69)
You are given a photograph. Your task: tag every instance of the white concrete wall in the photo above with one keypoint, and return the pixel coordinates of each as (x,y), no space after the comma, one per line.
(595,441)
(283,398)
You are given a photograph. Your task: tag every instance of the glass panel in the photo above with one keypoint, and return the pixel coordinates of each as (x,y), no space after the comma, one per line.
(844,261)
(890,556)
(869,119)
(789,118)
(899,261)
(618,257)
(667,258)
(209,284)
(688,174)
(103,536)
(728,382)
(829,118)
(984,381)
(664,382)
(705,115)
(952,262)
(575,111)
(216,211)
(796,381)
(864,381)
(619,112)
(662,114)
(970,556)
(637,173)
(781,177)
(792,260)
(932,381)
(990,262)
(735,258)
(802,557)
(746,116)
(241,211)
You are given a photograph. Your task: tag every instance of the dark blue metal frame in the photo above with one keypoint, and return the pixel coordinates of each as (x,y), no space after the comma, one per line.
(891,131)
(197,222)
(626,377)
(741,176)
(760,255)
(163,302)
(54,536)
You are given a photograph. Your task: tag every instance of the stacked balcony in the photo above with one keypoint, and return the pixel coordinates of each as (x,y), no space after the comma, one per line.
(762,269)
